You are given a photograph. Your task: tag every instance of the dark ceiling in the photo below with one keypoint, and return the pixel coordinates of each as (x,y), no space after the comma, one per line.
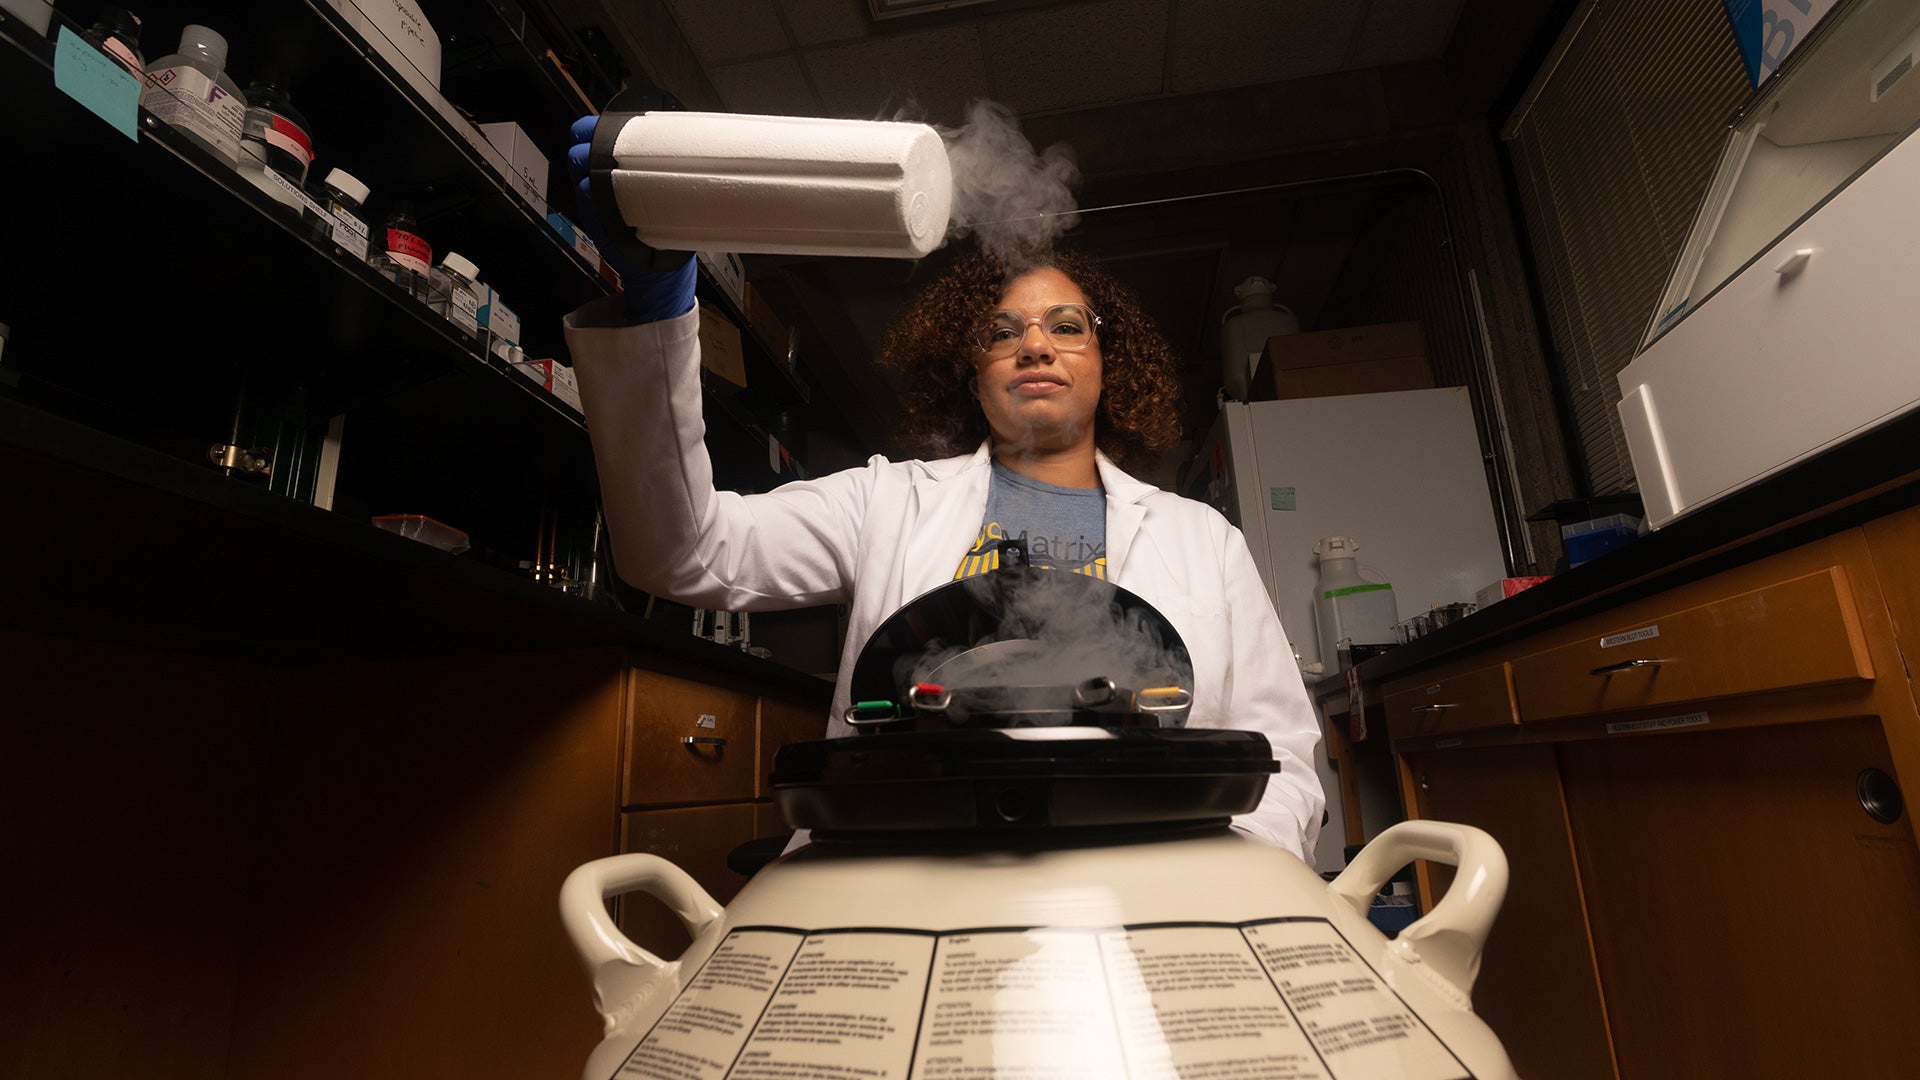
(1311,110)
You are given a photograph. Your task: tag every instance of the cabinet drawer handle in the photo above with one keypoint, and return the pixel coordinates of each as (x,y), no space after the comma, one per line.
(1433,708)
(703,740)
(1625,665)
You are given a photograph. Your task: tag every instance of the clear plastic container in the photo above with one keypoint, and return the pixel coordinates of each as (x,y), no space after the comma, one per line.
(454,292)
(1588,540)
(426,530)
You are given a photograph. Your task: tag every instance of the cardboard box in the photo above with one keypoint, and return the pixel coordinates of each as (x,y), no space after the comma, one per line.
(772,331)
(727,269)
(539,372)
(561,381)
(576,236)
(526,166)
(1354,360)
(498,319)
(720,347)
(398,31)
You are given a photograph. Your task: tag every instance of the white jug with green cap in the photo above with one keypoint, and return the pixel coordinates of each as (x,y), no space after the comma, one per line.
(1347,607)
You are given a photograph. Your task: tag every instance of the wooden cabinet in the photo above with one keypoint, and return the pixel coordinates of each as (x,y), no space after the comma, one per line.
(694,803)
(687,742)
(1698,887)
(1537,988)
(1749,917)
(1468,701)
(697,839)
(1794,633)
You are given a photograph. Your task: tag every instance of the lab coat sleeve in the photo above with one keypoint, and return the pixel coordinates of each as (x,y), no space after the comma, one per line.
(1267,695)
(674,535)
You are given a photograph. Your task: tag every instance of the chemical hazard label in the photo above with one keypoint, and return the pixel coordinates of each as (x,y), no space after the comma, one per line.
(1283,999)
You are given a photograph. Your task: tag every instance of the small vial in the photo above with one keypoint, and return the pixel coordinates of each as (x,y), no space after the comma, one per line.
(343,196)
(454,292)
(407,259)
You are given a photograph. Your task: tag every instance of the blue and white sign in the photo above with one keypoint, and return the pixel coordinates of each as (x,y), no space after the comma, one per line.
(1768,30)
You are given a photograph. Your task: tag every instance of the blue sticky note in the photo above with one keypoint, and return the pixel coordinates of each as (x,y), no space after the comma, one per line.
(89,77)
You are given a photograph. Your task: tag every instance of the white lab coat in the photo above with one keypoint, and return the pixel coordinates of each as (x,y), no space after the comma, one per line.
(877,537)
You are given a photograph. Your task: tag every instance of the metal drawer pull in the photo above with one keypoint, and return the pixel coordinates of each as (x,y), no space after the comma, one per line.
(1433,708)
(703,740)
(1625,665)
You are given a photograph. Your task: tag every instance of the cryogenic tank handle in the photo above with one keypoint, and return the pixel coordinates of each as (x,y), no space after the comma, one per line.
(626,105)
(622,972)
(1448,940)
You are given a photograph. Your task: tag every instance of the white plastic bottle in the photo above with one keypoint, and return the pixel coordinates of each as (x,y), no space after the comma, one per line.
(190,91)
(1244,331)
(453,290)
(1346,606)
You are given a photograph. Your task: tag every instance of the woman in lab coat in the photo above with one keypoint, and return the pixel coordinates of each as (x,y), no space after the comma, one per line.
(1028,389)
(1054,377)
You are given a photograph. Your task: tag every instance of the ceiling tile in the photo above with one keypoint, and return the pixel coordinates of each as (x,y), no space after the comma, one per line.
(818,22)
(1397,31)
(1084,54)
(721,31)
(772,85)
(1222,43)
(940,70)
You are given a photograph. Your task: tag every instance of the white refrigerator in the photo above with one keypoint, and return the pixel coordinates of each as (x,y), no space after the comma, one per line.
(1401,473)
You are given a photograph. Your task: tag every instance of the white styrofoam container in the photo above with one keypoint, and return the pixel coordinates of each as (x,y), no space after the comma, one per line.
(1795,354)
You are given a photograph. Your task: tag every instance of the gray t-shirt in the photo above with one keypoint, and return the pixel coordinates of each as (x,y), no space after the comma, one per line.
(1065,528)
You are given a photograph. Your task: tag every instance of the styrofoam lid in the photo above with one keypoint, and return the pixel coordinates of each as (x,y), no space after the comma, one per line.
(455,262)
(1336,547)
(343,182)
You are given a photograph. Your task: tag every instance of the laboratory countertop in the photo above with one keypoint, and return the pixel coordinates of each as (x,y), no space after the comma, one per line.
(109,540)
(1846,485)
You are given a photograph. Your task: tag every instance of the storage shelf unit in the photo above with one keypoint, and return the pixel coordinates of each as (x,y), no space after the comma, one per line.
(177,306)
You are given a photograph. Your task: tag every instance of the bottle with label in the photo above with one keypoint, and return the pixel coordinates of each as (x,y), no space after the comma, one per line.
(406,259)
(454,292)
(1348,608)
(275,136)
(343,196)
(189,91)
(117,33)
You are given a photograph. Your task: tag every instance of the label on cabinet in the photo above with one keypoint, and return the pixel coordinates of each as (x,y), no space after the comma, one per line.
(1283,998)
(1625,727)
(1630,636)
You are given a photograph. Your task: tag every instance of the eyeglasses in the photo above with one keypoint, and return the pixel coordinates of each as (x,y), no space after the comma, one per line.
(1069,327)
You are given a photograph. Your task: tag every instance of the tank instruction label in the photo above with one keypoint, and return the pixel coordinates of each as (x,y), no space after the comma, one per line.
(1281,999)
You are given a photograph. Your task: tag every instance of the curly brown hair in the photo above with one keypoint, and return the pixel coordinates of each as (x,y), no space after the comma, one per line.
(932,347)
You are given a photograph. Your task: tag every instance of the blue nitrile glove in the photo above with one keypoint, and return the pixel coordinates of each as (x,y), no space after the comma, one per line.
(648,296)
